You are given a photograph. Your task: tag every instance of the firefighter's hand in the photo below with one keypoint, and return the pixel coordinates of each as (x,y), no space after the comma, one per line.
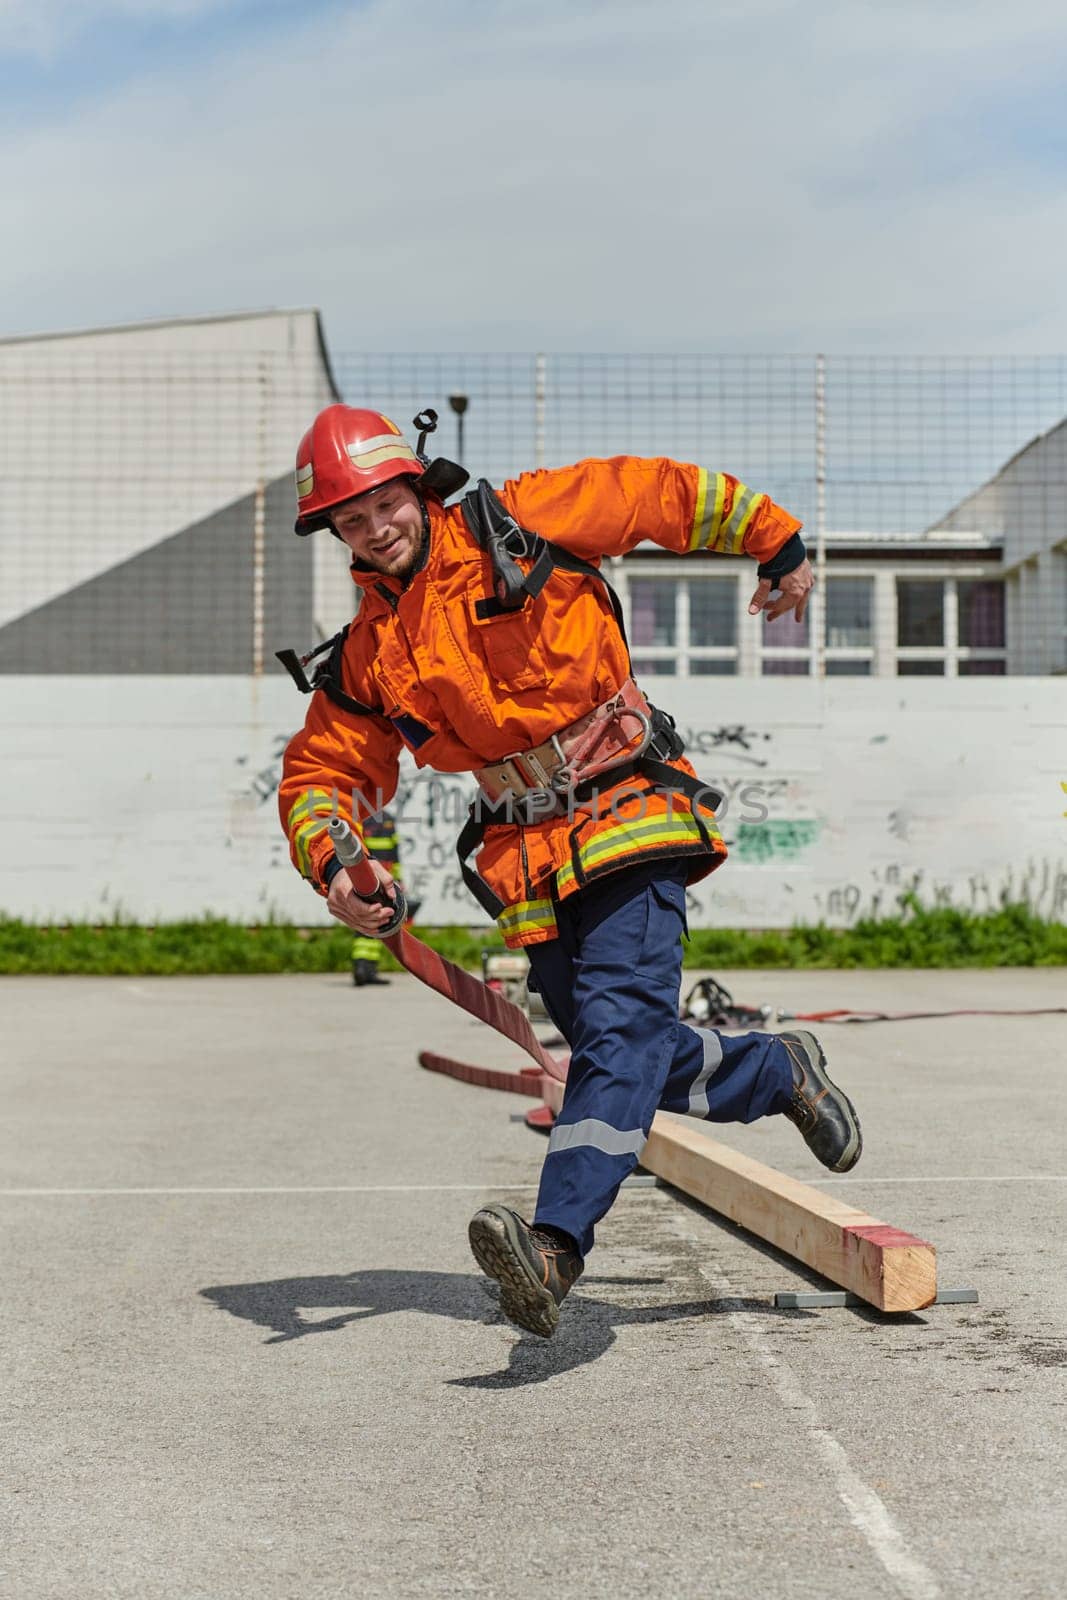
(794,589)
(345,904)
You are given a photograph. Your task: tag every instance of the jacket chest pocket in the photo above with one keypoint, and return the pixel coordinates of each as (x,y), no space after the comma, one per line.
(434,679)
(508,643)
(396,676)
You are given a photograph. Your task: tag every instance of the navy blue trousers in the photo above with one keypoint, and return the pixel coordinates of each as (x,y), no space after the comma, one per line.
(610,982)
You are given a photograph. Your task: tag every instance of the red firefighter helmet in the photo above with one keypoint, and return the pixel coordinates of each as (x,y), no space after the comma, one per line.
(345,452)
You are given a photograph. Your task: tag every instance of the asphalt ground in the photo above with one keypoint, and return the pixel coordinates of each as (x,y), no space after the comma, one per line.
(245,1351)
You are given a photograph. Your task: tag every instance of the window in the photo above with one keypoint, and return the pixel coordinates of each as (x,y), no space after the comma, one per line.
(920,613)
(712,612)
(848,613)
(684,626)
(786,666)
(785,633)
(949,628)
(919,669)
(653,612)
(981,606)
(691,620)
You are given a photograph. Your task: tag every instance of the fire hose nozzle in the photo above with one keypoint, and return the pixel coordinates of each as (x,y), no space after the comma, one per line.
(347,846)
(349,851)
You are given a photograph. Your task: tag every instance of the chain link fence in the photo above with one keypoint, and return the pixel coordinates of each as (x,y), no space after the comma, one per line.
(146,499)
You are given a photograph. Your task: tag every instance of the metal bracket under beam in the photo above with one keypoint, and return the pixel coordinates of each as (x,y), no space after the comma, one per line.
(818,1299)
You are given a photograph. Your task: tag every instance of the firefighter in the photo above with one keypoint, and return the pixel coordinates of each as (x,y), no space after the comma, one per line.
(488,641)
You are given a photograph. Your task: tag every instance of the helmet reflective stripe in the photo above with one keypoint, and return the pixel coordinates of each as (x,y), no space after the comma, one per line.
(305,481)
(367,453)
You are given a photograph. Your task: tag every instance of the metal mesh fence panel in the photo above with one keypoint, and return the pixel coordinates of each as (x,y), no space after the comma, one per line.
(146,499)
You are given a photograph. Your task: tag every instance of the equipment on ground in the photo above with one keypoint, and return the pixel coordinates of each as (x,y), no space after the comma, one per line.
(507,971)
(710,1005)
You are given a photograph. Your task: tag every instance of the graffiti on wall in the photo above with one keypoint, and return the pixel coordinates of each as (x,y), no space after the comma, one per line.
(790,829)
(1040,885)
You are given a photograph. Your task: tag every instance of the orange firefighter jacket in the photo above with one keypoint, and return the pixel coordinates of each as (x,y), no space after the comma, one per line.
(462,691)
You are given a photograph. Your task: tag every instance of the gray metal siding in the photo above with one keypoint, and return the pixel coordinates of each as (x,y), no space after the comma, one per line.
(184,606)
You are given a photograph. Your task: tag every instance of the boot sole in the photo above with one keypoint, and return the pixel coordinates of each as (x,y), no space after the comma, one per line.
(496,1249)
(854,1148)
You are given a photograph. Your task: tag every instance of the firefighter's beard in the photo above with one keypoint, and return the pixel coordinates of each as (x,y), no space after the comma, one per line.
(399,558)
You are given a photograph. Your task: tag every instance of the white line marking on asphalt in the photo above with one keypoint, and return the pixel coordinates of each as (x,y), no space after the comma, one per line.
(867,1511)
(974,1177)
(355,1188)
(477,1188)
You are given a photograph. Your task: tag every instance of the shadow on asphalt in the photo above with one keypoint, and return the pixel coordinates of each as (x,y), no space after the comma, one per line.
(587,1330)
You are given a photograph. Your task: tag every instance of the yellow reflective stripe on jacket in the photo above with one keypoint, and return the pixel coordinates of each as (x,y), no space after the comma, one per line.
(302,838)
(529,916)
(711,492)
(710,531)
(631,839)
(313,802)
(731,538)
(305,822)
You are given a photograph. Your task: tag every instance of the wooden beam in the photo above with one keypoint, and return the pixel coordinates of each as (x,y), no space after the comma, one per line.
(888,1268)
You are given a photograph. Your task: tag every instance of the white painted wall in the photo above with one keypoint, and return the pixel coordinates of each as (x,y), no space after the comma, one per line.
(153,798)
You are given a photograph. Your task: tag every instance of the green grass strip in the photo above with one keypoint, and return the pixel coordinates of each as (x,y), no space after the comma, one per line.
(1010,937)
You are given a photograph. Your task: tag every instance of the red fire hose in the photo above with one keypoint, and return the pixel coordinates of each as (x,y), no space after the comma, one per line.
(432,969)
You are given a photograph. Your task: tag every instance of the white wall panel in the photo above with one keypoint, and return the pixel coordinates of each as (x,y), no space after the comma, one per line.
(154,798)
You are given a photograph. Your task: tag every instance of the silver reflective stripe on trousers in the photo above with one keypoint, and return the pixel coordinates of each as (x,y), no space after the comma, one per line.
(592,1134)
(698,1091)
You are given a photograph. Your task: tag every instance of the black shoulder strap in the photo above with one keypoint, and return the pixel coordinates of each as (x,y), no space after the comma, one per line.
(497,532)
(327,675)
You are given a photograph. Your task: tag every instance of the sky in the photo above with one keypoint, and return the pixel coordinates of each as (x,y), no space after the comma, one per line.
(573,175)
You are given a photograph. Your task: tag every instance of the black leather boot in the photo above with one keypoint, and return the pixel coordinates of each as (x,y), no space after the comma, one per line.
(824,1113)
(364,972)
(534,1267)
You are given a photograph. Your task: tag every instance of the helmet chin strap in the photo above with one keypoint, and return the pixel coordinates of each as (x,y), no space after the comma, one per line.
(424,549)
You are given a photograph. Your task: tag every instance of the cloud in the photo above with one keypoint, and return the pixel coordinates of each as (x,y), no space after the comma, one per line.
(622,176)
(47,28)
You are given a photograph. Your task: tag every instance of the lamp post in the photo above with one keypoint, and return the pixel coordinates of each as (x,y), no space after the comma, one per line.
(459,403)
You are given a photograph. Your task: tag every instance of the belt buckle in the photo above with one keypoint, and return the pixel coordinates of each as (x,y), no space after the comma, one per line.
(504,780)
(543,764)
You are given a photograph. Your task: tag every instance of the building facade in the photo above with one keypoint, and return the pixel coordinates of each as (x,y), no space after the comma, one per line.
(931,605)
